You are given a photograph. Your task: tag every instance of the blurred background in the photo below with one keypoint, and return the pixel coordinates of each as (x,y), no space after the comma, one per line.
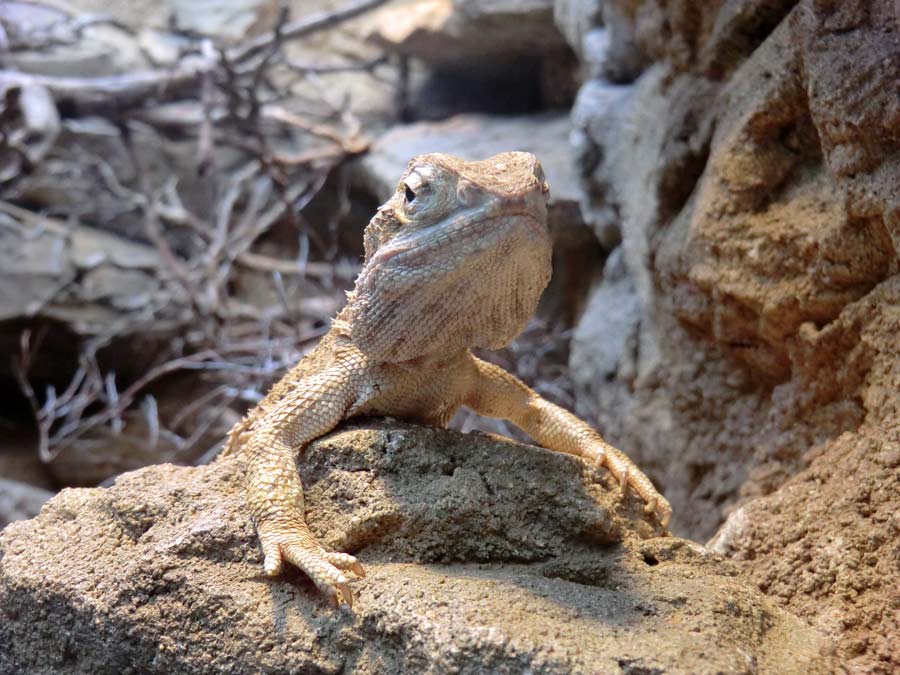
(183,190)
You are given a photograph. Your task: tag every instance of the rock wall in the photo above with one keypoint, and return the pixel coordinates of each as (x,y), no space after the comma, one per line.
(754,169)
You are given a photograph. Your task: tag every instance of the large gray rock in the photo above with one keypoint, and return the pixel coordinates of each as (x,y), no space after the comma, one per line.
(604,342)
(603,37)
(598,116)
(42,38)
(482,557)
(230,19)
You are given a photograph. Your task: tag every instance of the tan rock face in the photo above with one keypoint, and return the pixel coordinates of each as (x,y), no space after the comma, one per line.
(482,557)
(767,242)
(827,544)
(756,180)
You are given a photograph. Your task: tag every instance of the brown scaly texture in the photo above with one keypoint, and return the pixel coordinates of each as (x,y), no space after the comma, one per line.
(456,259)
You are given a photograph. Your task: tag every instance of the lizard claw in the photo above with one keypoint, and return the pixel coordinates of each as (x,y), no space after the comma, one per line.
(344,561)
(661,508)
(298,547)
(623,482)
(628,475)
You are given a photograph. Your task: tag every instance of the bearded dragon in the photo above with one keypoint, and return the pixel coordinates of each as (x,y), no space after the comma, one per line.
(457,258)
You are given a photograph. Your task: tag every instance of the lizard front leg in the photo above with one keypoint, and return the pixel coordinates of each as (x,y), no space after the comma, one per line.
(274,492)
(496,393)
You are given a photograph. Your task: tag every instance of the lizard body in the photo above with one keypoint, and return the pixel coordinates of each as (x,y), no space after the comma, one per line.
(456,259)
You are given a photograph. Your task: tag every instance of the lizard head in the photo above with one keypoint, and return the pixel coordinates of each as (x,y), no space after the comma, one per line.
(458,257)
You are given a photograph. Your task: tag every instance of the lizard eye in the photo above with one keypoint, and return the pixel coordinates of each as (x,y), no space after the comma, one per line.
(410,195)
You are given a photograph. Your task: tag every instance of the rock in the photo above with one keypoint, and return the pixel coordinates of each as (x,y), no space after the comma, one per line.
(232,20)
(90,156)
(44,40)
(840,46)
(755,181)
(481,556)
(825,545)
(222,19)
(623,60)
(705,38)
(602,36)
(575,18)
(82,277)
(476,137)
(34,129)
(787,250)
(441,31)
(132,14)
(20,501)
(605,339)
(597,119)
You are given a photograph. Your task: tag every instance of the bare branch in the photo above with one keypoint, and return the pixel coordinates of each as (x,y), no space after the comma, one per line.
(322,270)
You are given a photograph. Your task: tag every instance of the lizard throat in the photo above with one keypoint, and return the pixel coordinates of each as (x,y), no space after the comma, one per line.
(471,280)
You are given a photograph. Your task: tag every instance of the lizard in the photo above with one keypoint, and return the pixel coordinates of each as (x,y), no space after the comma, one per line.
(456,259)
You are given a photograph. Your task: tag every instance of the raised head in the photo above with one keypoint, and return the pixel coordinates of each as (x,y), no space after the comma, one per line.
(456,258)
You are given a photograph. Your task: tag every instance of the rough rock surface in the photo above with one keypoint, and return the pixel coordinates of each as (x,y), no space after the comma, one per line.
(754,170)
(482,556)
(827,544)
(665,403)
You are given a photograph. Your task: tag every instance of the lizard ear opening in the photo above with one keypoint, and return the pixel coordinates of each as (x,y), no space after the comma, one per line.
(466,193)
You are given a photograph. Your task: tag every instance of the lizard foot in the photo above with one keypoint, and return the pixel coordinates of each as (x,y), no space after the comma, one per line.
(295,544)
(629,475)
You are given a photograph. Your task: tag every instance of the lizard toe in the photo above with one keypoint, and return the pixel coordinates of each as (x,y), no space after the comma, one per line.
(295,544)
(272,564)
(326,576)
(345,561)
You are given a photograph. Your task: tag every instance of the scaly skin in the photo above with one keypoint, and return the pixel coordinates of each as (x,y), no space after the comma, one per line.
(456,259)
